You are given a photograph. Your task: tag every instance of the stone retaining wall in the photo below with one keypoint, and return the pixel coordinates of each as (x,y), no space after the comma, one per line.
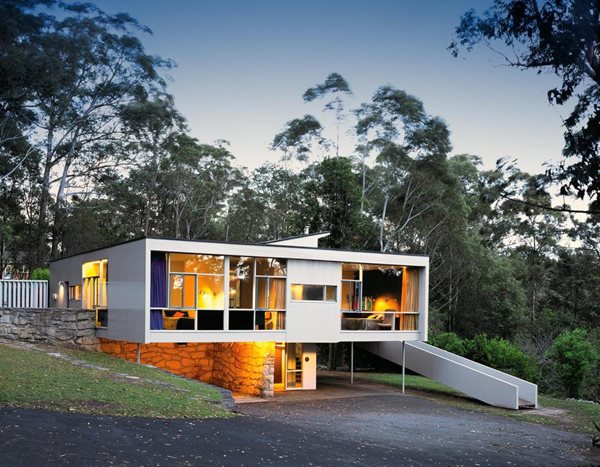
(244,367)
(69,328)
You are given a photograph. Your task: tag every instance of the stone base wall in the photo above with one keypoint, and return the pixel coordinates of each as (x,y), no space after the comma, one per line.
(69,328)
(245,367)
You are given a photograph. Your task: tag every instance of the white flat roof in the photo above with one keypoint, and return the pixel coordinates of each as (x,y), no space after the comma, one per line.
(285,251)
(271,250)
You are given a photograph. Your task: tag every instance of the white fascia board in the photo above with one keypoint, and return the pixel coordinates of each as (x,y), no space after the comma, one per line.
(283,251)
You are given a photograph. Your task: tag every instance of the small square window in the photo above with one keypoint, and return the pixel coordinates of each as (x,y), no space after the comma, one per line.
(75,292)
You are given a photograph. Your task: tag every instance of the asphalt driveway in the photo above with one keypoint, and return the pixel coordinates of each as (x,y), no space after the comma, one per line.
(379,429)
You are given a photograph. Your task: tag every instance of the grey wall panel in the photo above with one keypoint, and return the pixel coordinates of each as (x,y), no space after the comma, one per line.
(125,287)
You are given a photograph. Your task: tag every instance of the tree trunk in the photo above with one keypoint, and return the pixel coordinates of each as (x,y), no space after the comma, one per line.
(44,197)
(58,205)
(364,182)
(381,228)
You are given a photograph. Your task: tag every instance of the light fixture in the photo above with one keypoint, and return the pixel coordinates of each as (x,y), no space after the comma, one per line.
(55,296)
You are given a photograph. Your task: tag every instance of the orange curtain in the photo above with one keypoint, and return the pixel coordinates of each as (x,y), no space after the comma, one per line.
(277,294)
(410,299)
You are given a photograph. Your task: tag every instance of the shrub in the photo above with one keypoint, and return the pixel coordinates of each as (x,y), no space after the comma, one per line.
(40,274)
(502,355)
(574,357)
(450,342)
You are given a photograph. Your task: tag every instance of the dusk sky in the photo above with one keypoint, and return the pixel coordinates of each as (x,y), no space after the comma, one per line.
(242,67)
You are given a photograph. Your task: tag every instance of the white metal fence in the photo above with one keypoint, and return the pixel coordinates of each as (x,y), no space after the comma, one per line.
(23,294)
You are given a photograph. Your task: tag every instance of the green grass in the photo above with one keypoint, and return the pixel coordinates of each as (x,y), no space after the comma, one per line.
(566,414)
(32,378)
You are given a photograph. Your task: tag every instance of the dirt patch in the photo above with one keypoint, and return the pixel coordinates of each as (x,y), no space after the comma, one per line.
(558,414)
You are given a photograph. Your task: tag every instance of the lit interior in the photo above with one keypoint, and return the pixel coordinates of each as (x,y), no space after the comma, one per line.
(95,277)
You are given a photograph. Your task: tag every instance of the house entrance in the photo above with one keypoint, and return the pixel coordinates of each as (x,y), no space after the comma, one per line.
(289,369)
(294,374)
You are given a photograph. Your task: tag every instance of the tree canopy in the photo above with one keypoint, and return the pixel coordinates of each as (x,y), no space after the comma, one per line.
(561,37)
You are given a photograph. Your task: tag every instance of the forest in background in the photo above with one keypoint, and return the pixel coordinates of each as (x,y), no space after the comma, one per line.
(93,151)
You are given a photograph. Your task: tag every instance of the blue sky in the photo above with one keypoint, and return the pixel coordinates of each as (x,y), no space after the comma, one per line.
(243,66)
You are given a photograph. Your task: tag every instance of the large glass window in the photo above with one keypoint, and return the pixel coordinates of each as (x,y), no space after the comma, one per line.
(196,300)
(210,292)
(351,287)
(196,282)
(241,282)
(380,297)
(94,297)
(270,293)
(382,288)
(183,291)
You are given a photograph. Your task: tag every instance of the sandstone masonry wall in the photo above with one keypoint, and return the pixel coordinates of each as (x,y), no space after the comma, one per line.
(69,328)
(245,367)
(192,360)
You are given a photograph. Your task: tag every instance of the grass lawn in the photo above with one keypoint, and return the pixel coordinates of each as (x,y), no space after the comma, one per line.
(32,378)
(567,414)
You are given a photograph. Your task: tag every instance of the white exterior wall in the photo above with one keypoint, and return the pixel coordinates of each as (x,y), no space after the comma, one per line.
(310,321)
(125,288)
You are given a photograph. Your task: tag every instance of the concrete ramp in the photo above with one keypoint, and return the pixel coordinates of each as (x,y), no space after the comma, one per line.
(473,379)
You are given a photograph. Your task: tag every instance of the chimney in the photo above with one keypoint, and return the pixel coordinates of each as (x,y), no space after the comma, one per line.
(307,230)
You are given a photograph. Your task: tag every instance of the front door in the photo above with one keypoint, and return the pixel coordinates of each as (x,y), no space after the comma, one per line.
(294,356)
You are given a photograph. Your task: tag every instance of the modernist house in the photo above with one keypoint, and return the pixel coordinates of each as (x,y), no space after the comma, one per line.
(245,316)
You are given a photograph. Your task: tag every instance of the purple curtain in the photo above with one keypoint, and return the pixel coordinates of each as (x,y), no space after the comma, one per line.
(158,288)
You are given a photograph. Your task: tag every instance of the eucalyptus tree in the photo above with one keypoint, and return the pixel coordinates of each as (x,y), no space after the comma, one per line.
(560,37)
(331,202)
(85,65)
(299,138)
(151,128)
(197,180)
(531,233)
(404,138)
(336,86)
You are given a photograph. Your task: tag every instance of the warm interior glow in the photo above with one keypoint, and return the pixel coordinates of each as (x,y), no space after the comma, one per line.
(297,291)
(386,303)
(210,292)
(95,277)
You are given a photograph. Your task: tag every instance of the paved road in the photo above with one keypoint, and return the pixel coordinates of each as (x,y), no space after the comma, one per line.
(387,429)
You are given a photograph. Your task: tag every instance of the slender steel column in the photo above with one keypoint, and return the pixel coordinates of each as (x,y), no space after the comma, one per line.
(403,366)
(351,362)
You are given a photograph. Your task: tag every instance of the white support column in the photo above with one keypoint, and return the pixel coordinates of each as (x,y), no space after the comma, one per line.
(351,362)
(403,365)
